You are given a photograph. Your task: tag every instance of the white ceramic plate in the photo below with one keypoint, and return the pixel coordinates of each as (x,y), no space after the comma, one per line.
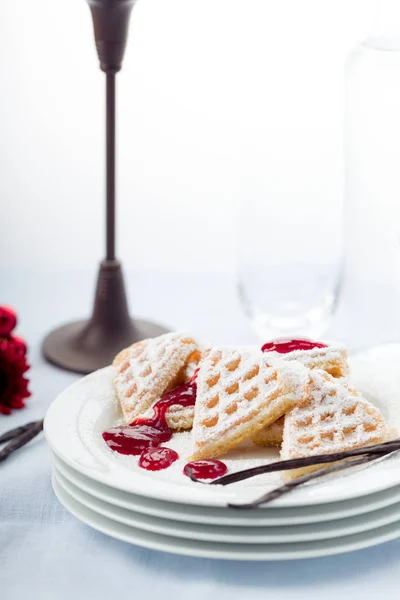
(155,541)
(225,516)
(77,418)
(278,534)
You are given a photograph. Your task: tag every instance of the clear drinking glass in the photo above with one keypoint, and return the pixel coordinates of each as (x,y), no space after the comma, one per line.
(291,185)
(290,265)
(372,210)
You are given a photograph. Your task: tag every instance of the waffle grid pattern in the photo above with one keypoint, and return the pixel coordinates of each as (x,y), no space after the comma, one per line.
(239,393)
(332,359)
(332,420)
(146,370)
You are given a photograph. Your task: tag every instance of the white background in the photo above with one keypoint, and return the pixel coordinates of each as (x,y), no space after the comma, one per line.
(191,71)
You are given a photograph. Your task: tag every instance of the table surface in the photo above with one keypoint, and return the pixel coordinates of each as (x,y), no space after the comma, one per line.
(47,554)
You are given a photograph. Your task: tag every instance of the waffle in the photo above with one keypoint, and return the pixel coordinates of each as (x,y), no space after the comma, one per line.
(332,359)
(148,369)
(179,418)
(240,393)
(272,436)
(333,419)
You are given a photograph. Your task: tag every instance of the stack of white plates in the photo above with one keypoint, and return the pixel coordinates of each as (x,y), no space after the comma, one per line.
(166,511)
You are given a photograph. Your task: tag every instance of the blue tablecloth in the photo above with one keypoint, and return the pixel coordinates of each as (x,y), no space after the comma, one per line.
(46,554)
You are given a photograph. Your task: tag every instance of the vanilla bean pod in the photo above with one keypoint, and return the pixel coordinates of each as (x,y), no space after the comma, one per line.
(17,442)
(297,463)
(291,485)
(13,433)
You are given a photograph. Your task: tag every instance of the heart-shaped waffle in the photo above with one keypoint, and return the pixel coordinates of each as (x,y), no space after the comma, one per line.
(148,369)
(333,419)
(272,436)
(240,393)
(331,358)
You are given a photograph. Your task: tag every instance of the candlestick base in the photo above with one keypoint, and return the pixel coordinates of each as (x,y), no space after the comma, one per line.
(85,346)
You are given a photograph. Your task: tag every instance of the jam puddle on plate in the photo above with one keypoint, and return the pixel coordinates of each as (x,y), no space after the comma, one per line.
(206,469)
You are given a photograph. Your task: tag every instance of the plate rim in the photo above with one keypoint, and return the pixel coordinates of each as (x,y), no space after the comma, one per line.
(256,519)
(196,548)
(179,529)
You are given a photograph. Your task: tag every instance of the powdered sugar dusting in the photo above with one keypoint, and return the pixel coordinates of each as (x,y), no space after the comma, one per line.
(376,374)
(154,358)
(148,368)
(294,376)
(238,391)
(332,420)
(332,358)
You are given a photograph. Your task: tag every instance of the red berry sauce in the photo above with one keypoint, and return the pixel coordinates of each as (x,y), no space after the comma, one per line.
(206,469)
(143,436)
(134,439)
(142,433)
(158,458)
(283,345)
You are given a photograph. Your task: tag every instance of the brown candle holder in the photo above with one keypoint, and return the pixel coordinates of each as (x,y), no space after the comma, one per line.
(85,346)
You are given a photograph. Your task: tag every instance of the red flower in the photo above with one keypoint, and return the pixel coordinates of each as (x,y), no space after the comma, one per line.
(8,320)
(13,364)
